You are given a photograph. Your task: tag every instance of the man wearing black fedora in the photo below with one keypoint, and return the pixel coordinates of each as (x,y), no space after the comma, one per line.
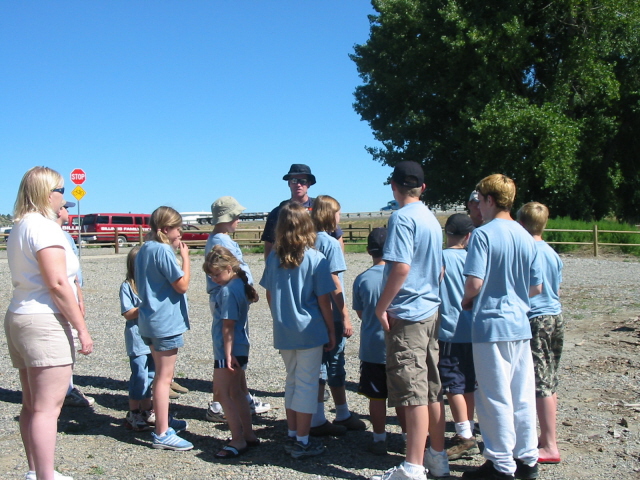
(299,180)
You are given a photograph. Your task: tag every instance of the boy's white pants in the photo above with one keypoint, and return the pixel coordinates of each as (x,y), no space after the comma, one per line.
(506,403)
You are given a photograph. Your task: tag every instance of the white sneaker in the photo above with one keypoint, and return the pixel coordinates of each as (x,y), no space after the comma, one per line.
(437,464)
(399,473)
(258,406)
(31,475)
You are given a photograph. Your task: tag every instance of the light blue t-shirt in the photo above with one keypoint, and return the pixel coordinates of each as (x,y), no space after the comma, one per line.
(163,311)
(224,240)
(298,323)
(503,255)
(548,302)
(330,248)
(367,288)
(132,340)
(414,237)
(455,323)
(231,304)
(74,247)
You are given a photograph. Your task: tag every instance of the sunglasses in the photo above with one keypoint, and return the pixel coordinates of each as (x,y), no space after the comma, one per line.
(59,190)
(298,181)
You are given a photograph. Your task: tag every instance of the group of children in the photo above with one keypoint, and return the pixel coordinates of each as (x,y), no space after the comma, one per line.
(428,316)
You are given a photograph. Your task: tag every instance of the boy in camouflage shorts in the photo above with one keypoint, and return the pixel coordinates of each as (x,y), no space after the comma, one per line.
(547,330)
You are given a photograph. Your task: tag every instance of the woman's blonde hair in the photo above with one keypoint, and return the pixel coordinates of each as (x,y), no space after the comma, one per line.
(220,258)
(294,234)
(34,191)
(131,268)
(163,217)
(324,213)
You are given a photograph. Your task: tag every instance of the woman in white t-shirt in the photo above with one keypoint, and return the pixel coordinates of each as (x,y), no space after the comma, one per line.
(42,311)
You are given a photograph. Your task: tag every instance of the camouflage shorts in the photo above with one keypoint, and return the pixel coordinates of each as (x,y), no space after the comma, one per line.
(546,346)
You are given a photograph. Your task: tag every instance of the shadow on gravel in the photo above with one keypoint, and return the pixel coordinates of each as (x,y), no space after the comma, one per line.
(10,396)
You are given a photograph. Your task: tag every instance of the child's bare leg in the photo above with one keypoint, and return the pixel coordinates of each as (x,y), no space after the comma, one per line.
(146,404)
(245,389)
(436,426)
(165,363)
(303,423)
(402,418)
(547,408)
(239,397)
(417,420)
(470,400)
(339,394)
(225,381)
(378,415)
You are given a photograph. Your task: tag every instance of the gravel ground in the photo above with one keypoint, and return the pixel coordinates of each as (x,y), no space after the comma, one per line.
(599,396)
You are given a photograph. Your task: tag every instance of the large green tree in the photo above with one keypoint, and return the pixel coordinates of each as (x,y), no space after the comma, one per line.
(547,92)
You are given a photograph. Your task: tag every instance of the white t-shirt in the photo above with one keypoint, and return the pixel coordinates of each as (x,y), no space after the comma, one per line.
(28,236)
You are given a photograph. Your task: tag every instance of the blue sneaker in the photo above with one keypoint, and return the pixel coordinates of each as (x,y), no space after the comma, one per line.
(178,425)
(170,441)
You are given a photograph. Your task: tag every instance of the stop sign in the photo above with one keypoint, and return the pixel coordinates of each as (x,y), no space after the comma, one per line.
(78,176)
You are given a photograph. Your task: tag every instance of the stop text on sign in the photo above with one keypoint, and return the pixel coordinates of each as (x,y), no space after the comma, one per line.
(78,176)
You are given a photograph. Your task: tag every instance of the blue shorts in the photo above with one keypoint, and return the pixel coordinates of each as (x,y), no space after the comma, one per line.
(166,343)
(457,374)
(332,371)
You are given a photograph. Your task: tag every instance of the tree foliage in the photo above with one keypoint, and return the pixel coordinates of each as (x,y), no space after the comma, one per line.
(547,92)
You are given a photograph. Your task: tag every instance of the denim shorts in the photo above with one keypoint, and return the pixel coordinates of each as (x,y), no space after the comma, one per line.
(166,343)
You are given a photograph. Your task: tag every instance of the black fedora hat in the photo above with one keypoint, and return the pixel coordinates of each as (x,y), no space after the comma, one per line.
(300,169)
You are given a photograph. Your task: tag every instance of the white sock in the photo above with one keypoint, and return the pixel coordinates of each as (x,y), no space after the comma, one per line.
(342,412)
(379,437)
(249,398)
(472,426)
(318,417)
(435,452)
(412,469)
(291,433)
(303,440)
(216,407)
(462,429)
(404,437)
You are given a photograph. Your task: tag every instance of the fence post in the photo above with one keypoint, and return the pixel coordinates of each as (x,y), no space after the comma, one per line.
(350,232)
(595,240)
(115,239)
(140,235)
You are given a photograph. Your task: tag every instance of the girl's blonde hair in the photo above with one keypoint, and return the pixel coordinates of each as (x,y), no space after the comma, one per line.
(220,258)
(131,266)
(163,217)
(34,191)
(324,213)
(294,234)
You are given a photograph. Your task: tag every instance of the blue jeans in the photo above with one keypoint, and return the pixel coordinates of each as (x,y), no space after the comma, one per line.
(142,372)
(332,372)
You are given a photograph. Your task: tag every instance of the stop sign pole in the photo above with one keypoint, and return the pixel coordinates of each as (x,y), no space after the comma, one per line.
(78,177)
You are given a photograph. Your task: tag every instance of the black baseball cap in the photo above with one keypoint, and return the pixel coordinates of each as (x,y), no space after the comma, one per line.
(408,174)
(300,169)
(458,224)
(375,241)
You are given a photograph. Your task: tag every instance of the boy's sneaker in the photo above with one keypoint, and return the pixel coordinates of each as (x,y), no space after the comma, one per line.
(288,444)
(378,448)
(352,423)
(176,387)
(31,475)
(178,425)
(524,471)
(149,416)
(462,447)
(214,416)
(75,398)
(328,429)
(135,421)
(311,449)
(170,441)
(399,473)
(257,406)
(437,464)
(488,472)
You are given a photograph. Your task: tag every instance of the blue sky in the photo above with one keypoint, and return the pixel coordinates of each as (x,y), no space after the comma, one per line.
(180,102)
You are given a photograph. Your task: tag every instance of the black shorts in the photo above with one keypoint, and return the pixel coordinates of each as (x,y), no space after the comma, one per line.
(456,368)
(242,360)
(373,381)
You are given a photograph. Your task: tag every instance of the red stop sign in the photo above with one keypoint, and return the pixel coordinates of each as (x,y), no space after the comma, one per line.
(78,176)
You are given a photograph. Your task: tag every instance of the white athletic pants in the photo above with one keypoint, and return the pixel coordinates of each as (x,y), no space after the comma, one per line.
(506,403)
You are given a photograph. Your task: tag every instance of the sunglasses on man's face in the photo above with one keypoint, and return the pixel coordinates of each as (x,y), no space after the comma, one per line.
(298,181)
(59,190)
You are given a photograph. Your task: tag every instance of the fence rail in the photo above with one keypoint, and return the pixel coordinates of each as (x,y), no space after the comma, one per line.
(250,237)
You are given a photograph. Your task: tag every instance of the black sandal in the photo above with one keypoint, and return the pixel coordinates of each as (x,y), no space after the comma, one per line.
(230,452)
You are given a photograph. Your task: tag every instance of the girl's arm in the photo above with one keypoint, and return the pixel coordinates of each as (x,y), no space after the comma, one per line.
(182,284)
(228,328)
(131,314)
(53,268)
(324,302)
(338,297)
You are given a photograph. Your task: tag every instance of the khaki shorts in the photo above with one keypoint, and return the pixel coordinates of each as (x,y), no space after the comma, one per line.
(412,362)
(39,340)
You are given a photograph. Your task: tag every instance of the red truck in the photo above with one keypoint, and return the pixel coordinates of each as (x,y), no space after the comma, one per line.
(100,227)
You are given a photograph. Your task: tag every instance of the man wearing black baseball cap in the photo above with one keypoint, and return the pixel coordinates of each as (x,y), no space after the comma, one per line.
(299,180)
